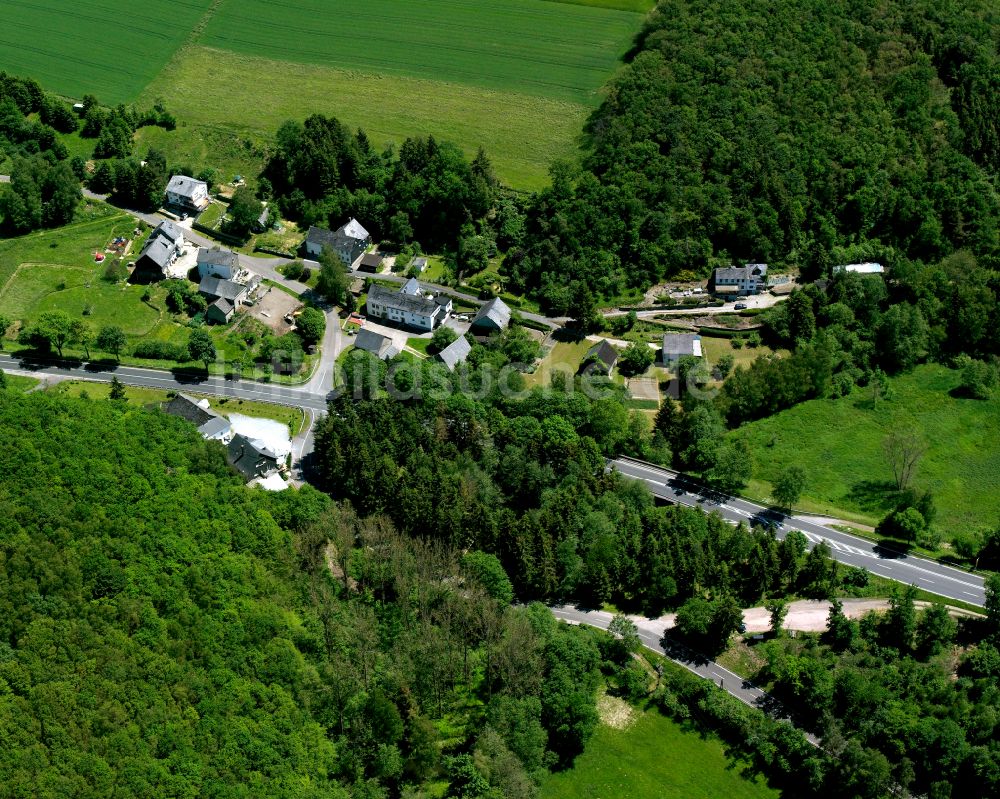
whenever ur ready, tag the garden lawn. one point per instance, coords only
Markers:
(838, 443)
(564, 357)
(109, 48)
(654, 758)
(136, 395)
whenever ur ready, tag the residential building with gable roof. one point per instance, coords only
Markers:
(740, 280)
(493, 316)
(349, 241)
(161, 249)
(679, 345)
(218, 262)
(408, 306)
(187, 193)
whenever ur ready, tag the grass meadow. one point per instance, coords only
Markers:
(553, 50)
(838, 443)
(654, 758)
(109, 48)
(208, 90)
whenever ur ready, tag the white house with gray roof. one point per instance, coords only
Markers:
(161, 249)
(217, 262)
(741, 280)
(187, 193)
(409, 306)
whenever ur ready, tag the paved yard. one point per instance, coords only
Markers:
(646, 388)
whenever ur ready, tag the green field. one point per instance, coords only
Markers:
(517, 77)
(109, 48)
(839, 445)
(652, 759)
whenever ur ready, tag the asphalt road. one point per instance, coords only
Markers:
(652, 638)
(851, 550)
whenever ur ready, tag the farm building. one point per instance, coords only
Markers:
(370, 262)
(218, 262)
(348, 241)
(220, 311)
(455, 353)
(187, 193)
(378, 345)
(494, 316)
(214, 288)
(161, 249)
(408, 306)
(679, 345)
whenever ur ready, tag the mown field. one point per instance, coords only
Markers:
(839, 445)
(109, 48)
(208, 90)
(654, 758)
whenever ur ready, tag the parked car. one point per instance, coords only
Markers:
(740, 306)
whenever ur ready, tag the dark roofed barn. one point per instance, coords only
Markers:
(602, 356)
(493, 316)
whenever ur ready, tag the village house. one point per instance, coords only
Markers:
(492, 317)
(215, 288)
(218, 262)
(455, 353)
(378, 345)
(210, 424)
(601, 357)
(252, 458)
(408, 306)
(680, 345)
(187, 194)
(161, 249)
(348, 242)
(740, 280)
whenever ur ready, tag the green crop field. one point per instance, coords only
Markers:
(109, 48)
(838, 443)
(517, 77)
(653, 759)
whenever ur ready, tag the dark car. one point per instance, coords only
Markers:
(740, 306)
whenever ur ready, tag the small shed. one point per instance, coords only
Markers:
(370, 262)
(221, 311)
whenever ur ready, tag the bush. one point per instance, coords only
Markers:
(160, 350)
(294, 270)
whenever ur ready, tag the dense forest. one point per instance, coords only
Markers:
(800, 132)
(166, 631)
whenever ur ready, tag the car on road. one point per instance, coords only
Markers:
(740, 306)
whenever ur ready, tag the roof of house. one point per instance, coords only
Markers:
(680, 344)
(223, 305)
(603, 352)
(264, 216)
(375, 343)
(218, 255)
(371, 259)
(214, 427)
(187, 407)
(250, 456)
(411, 303)
(862, 269)
(159, 250)
(219, 287)
(741, 272)
(353, 230)
(184, 186)
(320, 236)
(455, 353)
(420, 263)
(496, 311)
(411, 286)
(168, 229)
